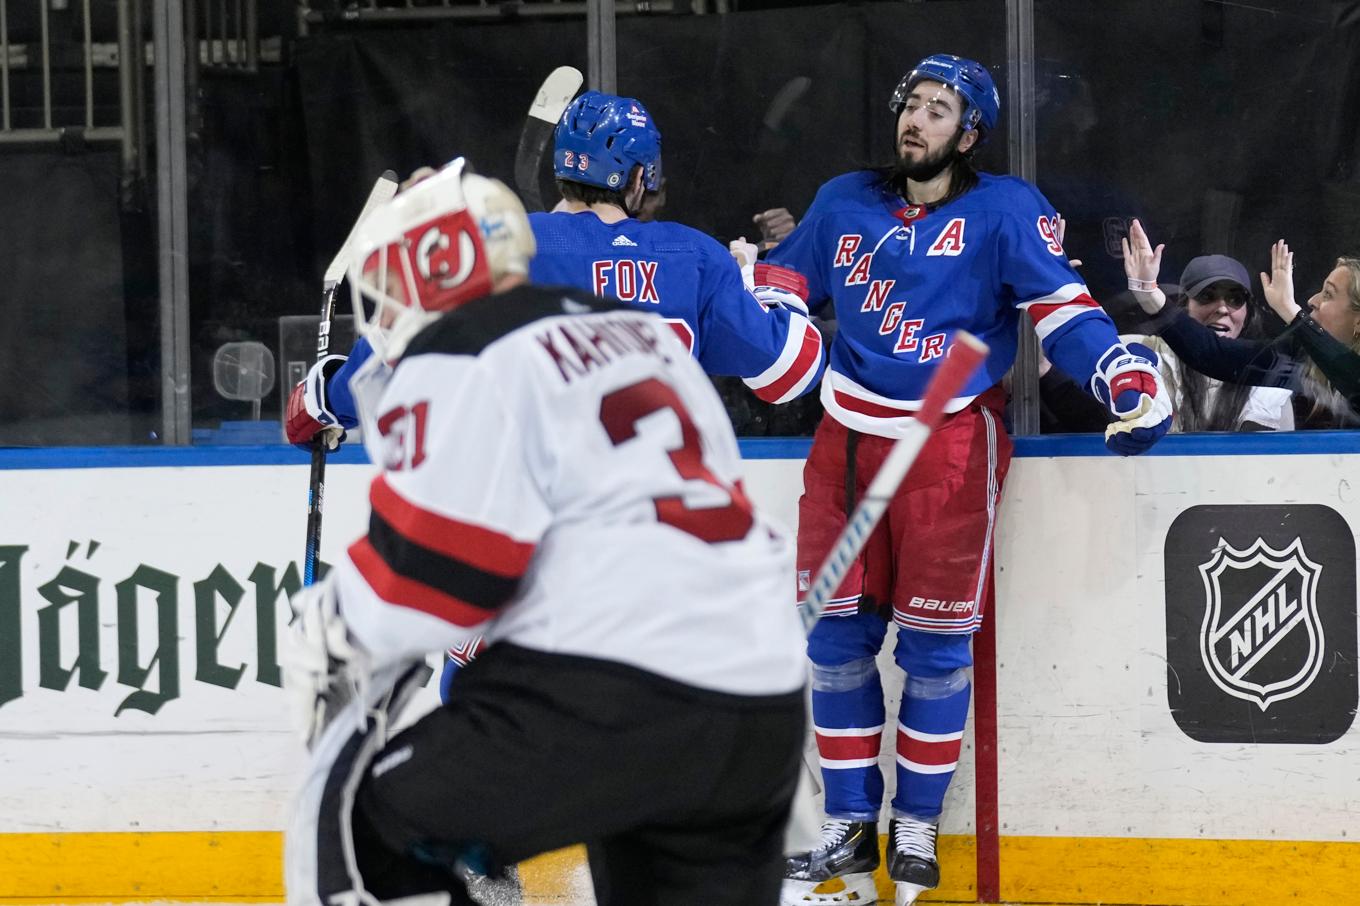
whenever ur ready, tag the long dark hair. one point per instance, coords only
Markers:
(963, 175)
(1194, 410)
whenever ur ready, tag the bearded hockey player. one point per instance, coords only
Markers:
(907, 255)
(559, 475)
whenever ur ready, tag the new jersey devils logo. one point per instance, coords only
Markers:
(1255, 601)
(441, 258)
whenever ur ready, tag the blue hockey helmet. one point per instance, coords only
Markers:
(982, 103)
(601, 137)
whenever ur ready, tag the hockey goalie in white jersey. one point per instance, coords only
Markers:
(559, 475)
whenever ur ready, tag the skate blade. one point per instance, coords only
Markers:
(907, 893)
(503, 891)
(848, 890)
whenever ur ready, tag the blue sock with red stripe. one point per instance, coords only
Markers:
(929, 738)
(849, 726)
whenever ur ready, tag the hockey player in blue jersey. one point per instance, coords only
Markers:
(906, 256)
(607, 157)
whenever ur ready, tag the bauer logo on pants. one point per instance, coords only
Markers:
(1261, 623)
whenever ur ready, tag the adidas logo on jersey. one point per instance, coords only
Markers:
(623, 240)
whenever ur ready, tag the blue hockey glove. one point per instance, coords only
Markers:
(1128, 383)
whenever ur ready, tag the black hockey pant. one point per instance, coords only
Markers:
(681, 794)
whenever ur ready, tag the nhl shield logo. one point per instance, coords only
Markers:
(1255, 601)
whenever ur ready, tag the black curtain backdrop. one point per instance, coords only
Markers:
(1221, 126)
(63, 352)
(402, 98)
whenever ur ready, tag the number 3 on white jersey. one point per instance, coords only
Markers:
(620, 413)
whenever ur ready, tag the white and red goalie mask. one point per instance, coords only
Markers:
(437, 245)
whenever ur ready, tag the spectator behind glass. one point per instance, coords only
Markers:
(1216, 292)
(1327, 331)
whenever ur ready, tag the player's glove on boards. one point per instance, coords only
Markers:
(780, 287)
(1128, 383)
(309, 414)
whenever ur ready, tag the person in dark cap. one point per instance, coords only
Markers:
(1216, 292)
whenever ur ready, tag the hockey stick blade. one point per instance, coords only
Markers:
(382, 190)
(965, 354)
(788, 94)
(774, 143)
(553, 97)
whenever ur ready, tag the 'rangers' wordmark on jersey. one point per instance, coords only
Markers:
(904, 279)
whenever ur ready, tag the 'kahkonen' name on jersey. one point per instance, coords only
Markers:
(579, 345)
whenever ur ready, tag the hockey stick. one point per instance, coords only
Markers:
(553, 97)
(963, 358)
(382, 190)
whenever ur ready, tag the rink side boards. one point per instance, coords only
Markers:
(146, 754)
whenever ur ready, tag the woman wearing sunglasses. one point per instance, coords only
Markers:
(1327, 375)
(1216, 292)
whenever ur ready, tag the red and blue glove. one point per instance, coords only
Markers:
(309, 415)
(1128, 383)
(780, 287)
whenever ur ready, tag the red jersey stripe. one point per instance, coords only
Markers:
(1041, 310)
(803, 364)
(475, 545)
(864, 407)
(397, 589)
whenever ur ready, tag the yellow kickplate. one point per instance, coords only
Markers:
(236, 866)
(246, 867)
(1151, 872)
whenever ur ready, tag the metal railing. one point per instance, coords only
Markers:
(49, 57)
(228, 33)
(15, 57)
(317, 12)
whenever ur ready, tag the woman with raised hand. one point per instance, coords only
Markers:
(1327, 330)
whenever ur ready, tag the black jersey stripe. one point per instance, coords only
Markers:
(448, 575)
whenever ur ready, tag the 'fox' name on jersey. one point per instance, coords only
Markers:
(694, 284)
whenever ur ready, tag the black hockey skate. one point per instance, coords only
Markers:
(912, 864)
(848, 853)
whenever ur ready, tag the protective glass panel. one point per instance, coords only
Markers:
(1221, 127)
